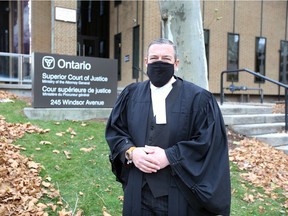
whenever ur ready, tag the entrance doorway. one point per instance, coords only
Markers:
(93, 28)
(87, 46)
(14, 41)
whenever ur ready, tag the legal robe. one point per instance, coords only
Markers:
(197, 148)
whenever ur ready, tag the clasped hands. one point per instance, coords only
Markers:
(149, 159)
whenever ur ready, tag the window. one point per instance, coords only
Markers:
(21, 27)
(283, 73)
(4, 23)
(136, 42)
(116, 3)
(260, 58)
(117, 52)
(233, 56)
(15, 38)
(206, 41)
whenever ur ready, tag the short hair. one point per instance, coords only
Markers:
(163, 41)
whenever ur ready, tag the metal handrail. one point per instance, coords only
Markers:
(260, 76)
(140, 70)
(233, 88)
(20, 79)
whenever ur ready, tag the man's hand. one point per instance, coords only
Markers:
(144, 160)
(158, 154)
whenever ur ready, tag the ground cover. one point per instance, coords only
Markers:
(62, 168)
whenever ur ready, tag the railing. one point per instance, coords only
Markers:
(15, 69)
(233, 88)
(263, 77)
(140, 71)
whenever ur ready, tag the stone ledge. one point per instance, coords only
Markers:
(67, 113)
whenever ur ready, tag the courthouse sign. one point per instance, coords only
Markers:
(73, 81)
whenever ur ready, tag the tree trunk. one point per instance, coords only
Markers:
(182, 24)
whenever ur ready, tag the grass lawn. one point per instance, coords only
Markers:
(74, 154)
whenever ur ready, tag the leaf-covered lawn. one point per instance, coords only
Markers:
(62, 168)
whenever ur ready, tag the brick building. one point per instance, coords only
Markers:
(238, 34)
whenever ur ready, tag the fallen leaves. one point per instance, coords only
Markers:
(7, 95)
(12, 131)
(21, 186)
(263, 166)
(248, 197)
(279, 108)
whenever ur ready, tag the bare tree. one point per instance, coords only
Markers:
(182, 23)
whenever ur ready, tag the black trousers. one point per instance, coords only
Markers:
(152, 206)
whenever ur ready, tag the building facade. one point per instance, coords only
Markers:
(238, 34)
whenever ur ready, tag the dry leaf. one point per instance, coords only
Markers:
(48, 178)
(60, 134)
(45, 143)
(121, 198)
(46, 184)
(71, 131)
(57, 167)
(83, 124)
(104, 211)
(79, 212)
(63, 212)
(56, 151)
(89, 138)
(67, 154)
(32, 164)
(88, 149)
(248, 197)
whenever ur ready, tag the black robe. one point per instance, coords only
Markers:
(197, 152)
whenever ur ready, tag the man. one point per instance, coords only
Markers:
(168, 143)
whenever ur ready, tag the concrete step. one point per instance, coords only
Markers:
(242, 109)
(274, 139)
(257, 120)
(258, 129)
(253, 118)
(283, 148)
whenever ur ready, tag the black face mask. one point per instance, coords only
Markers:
(160, 73)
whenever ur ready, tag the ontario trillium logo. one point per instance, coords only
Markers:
(48, 62)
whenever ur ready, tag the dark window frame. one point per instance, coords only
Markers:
(207, 46)
(260, 68)
(233, 77)
(116, 3)
(117, 53)
(282, 66)
(136, 51)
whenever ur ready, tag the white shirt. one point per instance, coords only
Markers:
(158, 96)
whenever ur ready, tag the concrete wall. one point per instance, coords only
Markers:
(65, 33)
(50, 35)
(248, 25)
(122, 20)
(41, 26)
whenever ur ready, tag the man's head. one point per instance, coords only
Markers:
(161, 61)
(162, 49)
